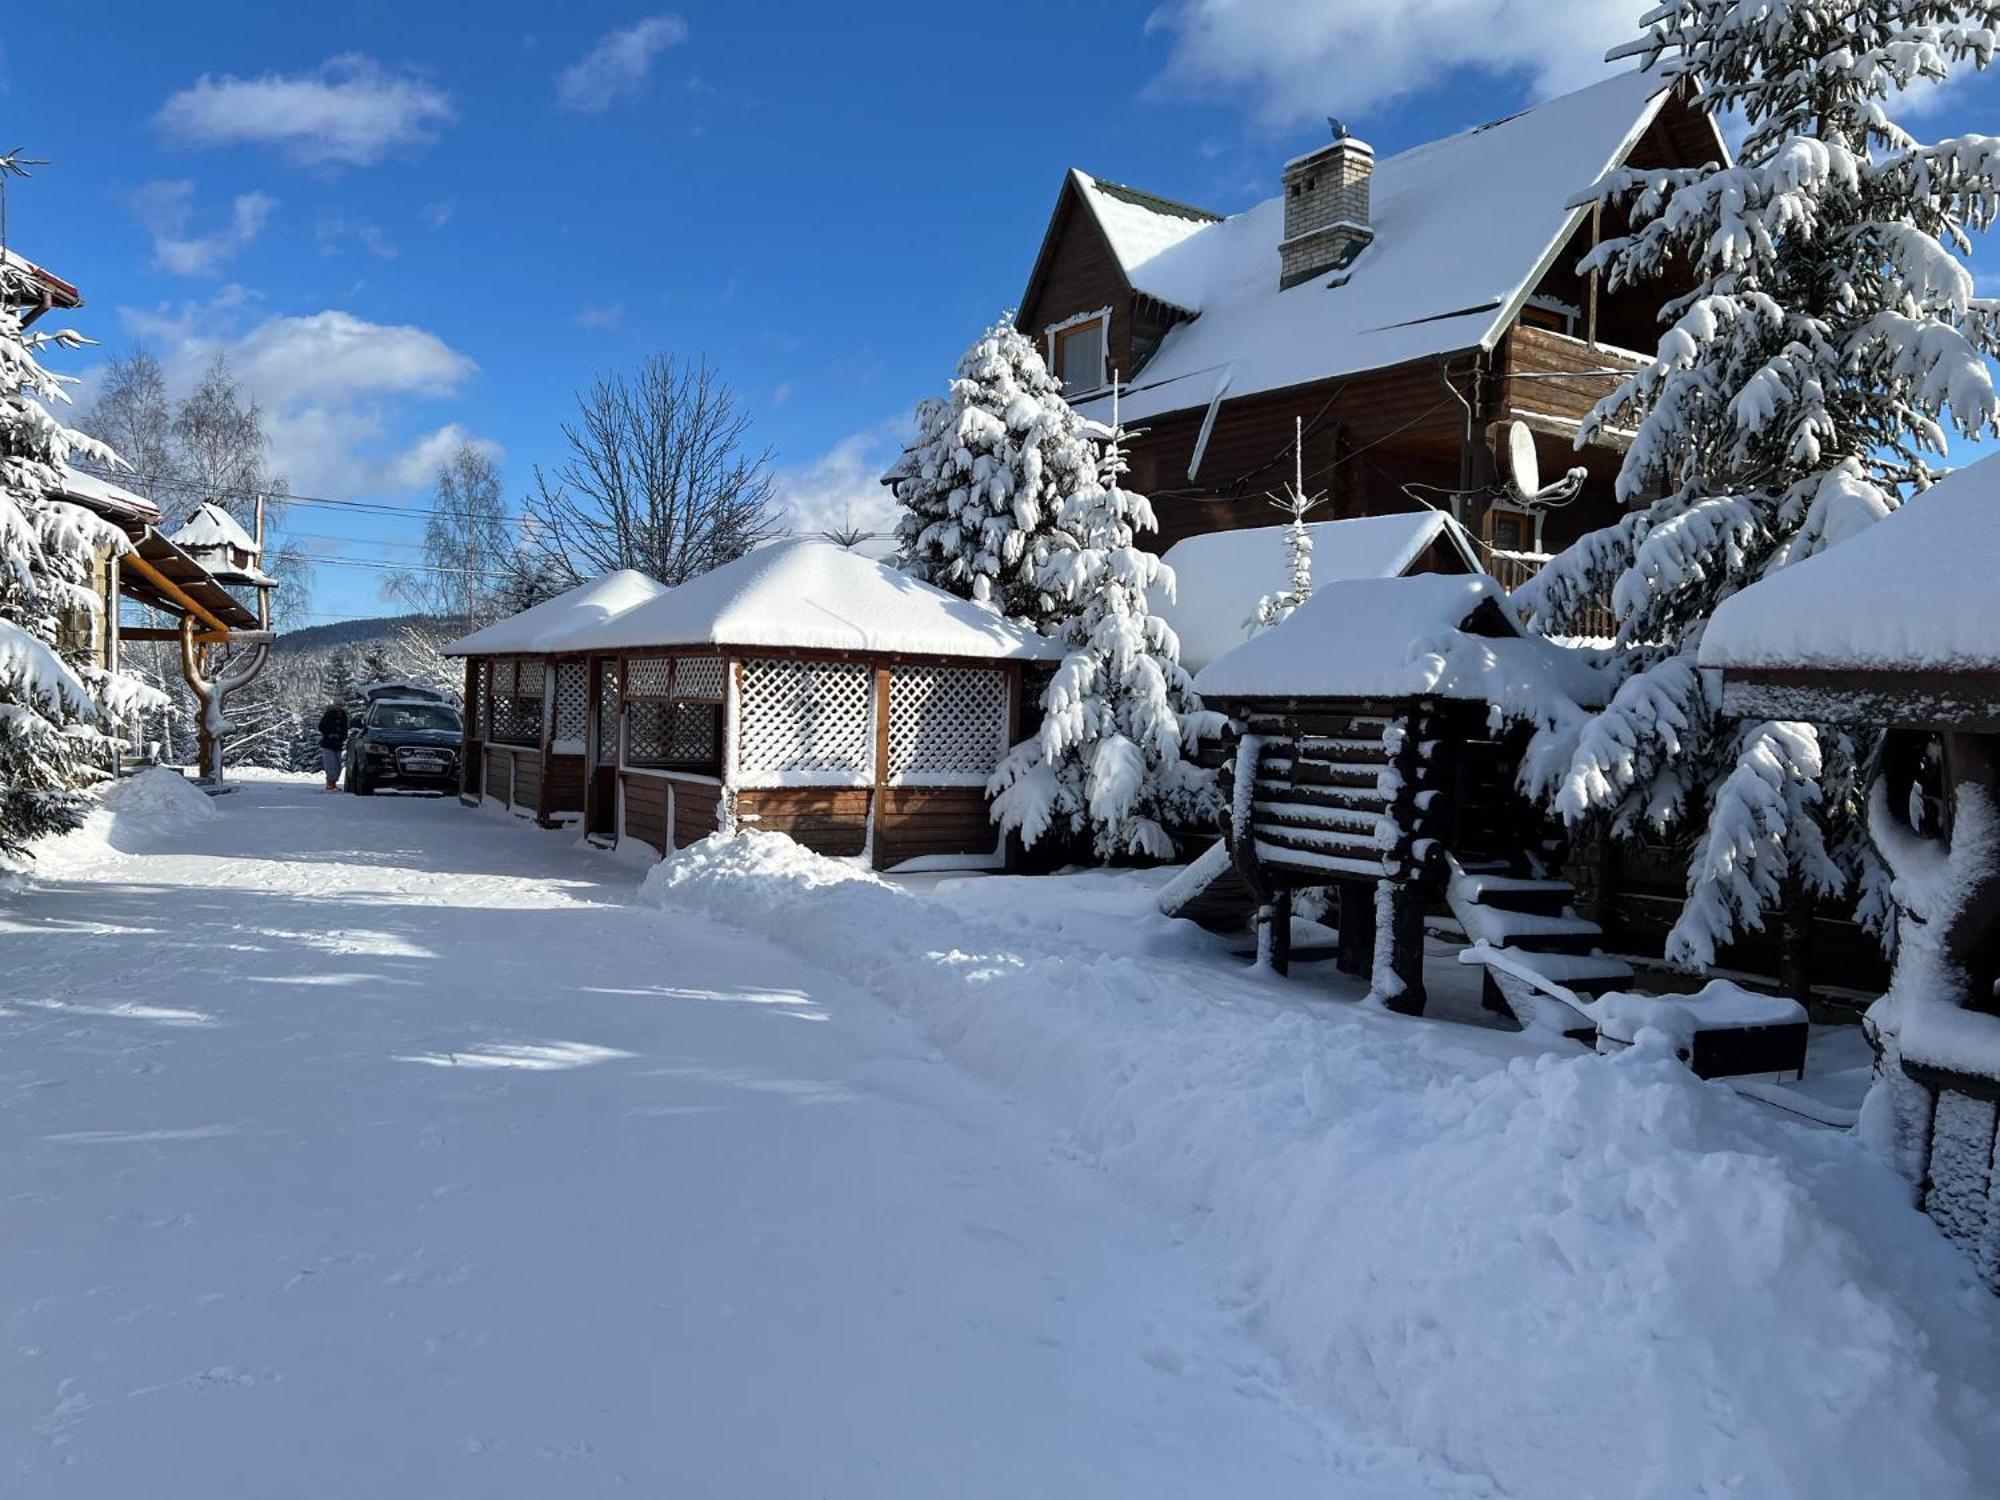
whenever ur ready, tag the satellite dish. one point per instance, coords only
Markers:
(1523, 467)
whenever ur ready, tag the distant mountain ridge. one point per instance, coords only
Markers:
(337, 633)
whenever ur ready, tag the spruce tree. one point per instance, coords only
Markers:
(1801, 391)
(983, 484)
(1113, 758)
(54, 705)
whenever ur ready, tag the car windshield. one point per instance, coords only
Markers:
(414, 716)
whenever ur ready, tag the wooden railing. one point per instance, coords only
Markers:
(1512, 569)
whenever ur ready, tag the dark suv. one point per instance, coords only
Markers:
(405, 743)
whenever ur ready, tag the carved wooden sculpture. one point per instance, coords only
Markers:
(210, 692)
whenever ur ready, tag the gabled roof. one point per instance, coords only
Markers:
(112, 501)
(1464, 229)
(1435, 635)
(548, 626)
(816, 595)
(1140, 226)
(60, 293)
(1915, 592)
(212, 526)
(1220, 575)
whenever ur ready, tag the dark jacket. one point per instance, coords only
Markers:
(333, 729)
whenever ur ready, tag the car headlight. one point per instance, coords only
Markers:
(377, 752)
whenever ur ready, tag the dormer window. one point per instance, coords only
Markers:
(1077, 352)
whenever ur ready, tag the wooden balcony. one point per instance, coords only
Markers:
(1551, 381)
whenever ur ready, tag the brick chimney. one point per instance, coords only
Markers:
(1326, 207)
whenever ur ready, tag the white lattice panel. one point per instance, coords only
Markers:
(503, 678)
(607, 713)
(804, 722)
(572, 700)
(698, 679)
(532, 671)
(946, 724)
(673, 734)
(517, 721)
(648, 677)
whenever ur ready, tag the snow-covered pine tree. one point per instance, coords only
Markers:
(53, 703)
(1297, 504)
(1114, 754)
(1800, 391)
(982, 486)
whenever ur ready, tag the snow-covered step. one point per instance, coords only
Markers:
(1506, 929)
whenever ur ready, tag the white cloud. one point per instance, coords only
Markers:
(349, 110)
(335, 388)
(1299, 62)
(415, 468)
(601, 317)
(165, 208)
(843, 487)
(617, 66)
(438, 214)
(335, 233)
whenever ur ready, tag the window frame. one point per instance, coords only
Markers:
(1058, 334)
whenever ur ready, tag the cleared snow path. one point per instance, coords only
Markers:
(373, 1146)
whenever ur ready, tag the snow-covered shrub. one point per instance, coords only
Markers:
(982, 487)
(1799, 392)
(1121, 720)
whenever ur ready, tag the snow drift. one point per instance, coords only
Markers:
(1547, 1269)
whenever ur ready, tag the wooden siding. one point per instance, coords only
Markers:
(831, 820)
(697, 811)
(565, 776)
(1081, 276)
(645, 809)
(514, 776)
(913, 822)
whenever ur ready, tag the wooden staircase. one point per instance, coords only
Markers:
(1531, 924)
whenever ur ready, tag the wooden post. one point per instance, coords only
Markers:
(470, 751)
(880, 789)
(545, 785)
(1357, 928)
(1274, 933)
(1591, 280)
(1406, 948)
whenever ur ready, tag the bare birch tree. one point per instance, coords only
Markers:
(468, 542)
(659, 478)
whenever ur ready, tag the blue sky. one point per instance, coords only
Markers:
(410, 224)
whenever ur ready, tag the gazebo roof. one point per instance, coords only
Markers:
(809, 594)
(1898, 624)
(1435, 635)
(547, 627)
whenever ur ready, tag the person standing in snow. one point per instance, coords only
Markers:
(332, 740)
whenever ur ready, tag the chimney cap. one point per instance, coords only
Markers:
(1341, 144)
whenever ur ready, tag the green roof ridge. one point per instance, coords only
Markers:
(1153, 202)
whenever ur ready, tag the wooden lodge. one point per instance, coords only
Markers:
(1899, 628)
(1381, 727)
(802, 689)
(1404, 312)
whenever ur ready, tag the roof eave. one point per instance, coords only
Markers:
(1511, 305)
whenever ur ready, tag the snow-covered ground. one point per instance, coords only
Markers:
(378, 1146)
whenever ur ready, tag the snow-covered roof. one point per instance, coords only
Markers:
(106, 498)
(61, 293)
(812, 594)
(1402, 638)
(212, 526)
(1463, 228)
(1140, 226)
(548, 626)
(1220, 575)
(1916, 592)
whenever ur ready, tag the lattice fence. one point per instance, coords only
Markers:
(607, 713)
(517, 721)
(672, 734)
(947, 725)
(572, 700)
(801, 722)
(503, 678)
(532, 671)
(648, 677)
(698, 679)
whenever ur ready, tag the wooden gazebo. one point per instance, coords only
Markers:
(527, 701)
(1899, 628)
(802, 689)
(1381, 727)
